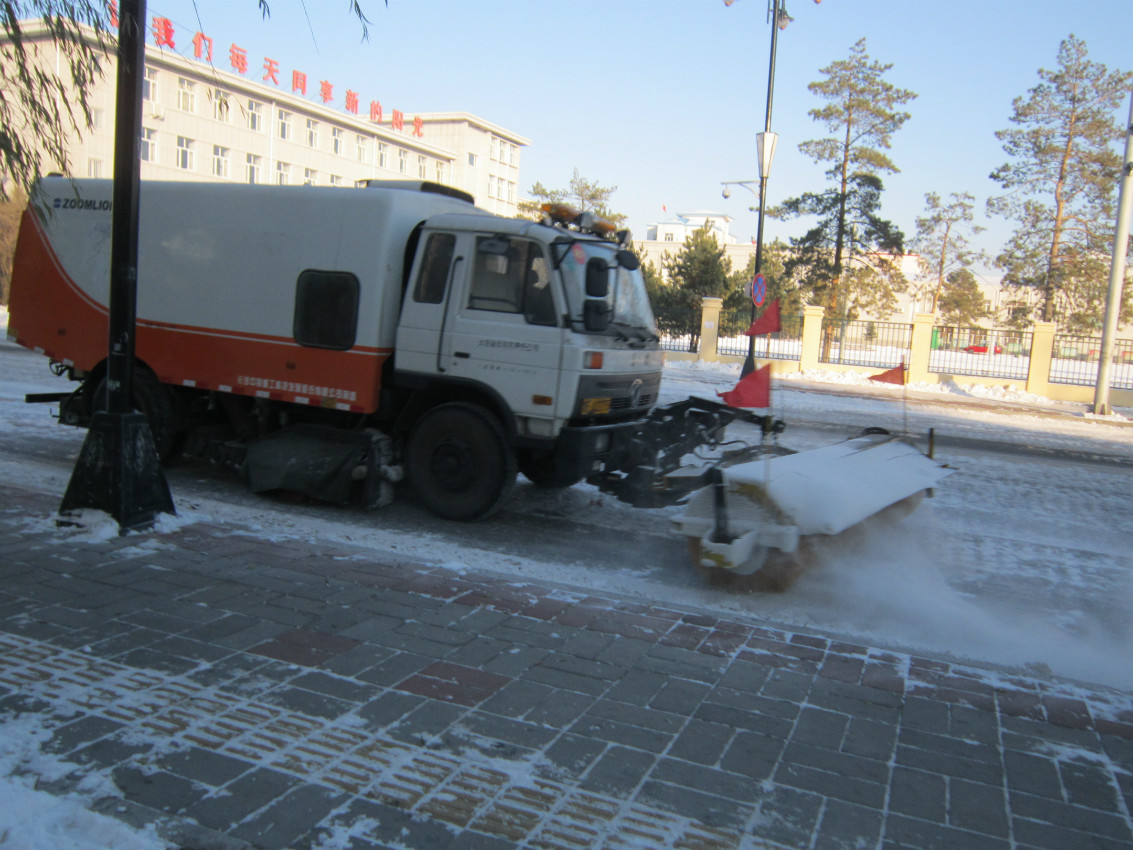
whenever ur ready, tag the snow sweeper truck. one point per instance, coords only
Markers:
(335, 341)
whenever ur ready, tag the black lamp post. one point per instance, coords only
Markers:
(118, 470)
(765, 141)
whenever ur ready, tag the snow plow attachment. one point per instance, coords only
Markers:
(754, 514)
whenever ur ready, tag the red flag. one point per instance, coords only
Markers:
(768, 323)
(896, 375)
(752, 391)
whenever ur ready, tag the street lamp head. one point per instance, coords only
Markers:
(727, 193)
(783, 19)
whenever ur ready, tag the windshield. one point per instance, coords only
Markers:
(627, 297)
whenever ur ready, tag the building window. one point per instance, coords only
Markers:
(220, 105)
(220, 162)
(284, 124)
(495, 149)
(422, 168)
(403, 161)
(360, 148)
(669, 237)
(383, 155)
(149, 85)
(186, 95)
(185, 153)
(96, 119)
(254, 168)
(335, 180)
(440, 172)
(282, 173)
(491, 187)
(310, 177)
(472, 159)
(94, 168)
(148, 149)
(336, 138)
(255, 116)
(514, 155)
(312, 133)
(511, 193)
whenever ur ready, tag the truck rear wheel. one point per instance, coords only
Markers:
(460, 463)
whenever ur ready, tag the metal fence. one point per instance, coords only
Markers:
(1075, 360)
(680, 342)
(785, 344)
(959, 350)
(861, 343)
(671, 317)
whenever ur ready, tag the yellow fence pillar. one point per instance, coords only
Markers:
(812, 338)
(1042, 352)
(709, 328)
(920, 348)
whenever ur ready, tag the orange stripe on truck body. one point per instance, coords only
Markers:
(49, 312)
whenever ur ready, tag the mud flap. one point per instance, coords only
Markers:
(321, 462)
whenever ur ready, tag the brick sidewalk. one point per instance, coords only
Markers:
(241, 692)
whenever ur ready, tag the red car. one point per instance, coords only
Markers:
(981, 348)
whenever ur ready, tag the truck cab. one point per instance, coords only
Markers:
(547, 324)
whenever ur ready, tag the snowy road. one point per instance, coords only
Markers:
(1021, 559)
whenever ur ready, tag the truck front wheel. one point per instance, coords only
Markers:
(460, 464)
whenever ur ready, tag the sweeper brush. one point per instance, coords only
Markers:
(753, 519)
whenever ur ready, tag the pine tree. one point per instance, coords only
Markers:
(942, 239)
(699, 270)
(581, 193)
(862, 113)
(1060, 183)
(961, 302)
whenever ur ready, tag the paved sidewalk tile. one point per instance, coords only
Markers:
(240, 693)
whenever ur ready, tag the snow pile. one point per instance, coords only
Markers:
(31, 819)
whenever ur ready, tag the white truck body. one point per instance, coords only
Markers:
(313, 305)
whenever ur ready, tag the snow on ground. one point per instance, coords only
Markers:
(32, 819)
(925, 584)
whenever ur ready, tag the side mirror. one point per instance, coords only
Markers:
(597, 278)
(628, 260)
(596, 315)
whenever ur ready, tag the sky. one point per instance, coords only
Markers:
(663, 98)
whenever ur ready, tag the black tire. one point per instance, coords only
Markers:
(539, 469)
(460, 463)
(153, 399)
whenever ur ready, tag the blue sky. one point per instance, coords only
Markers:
(663, 98)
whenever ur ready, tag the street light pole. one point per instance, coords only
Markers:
(766, 144)
(1116, 272)
(118, 470)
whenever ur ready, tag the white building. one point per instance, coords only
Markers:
(214, 112)
(668, 238)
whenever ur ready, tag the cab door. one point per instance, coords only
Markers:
(436, 283)
(506, 330)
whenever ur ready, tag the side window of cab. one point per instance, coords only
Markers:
(512, 276)
(435, 264)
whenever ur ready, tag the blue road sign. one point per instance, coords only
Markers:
(758, 289)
